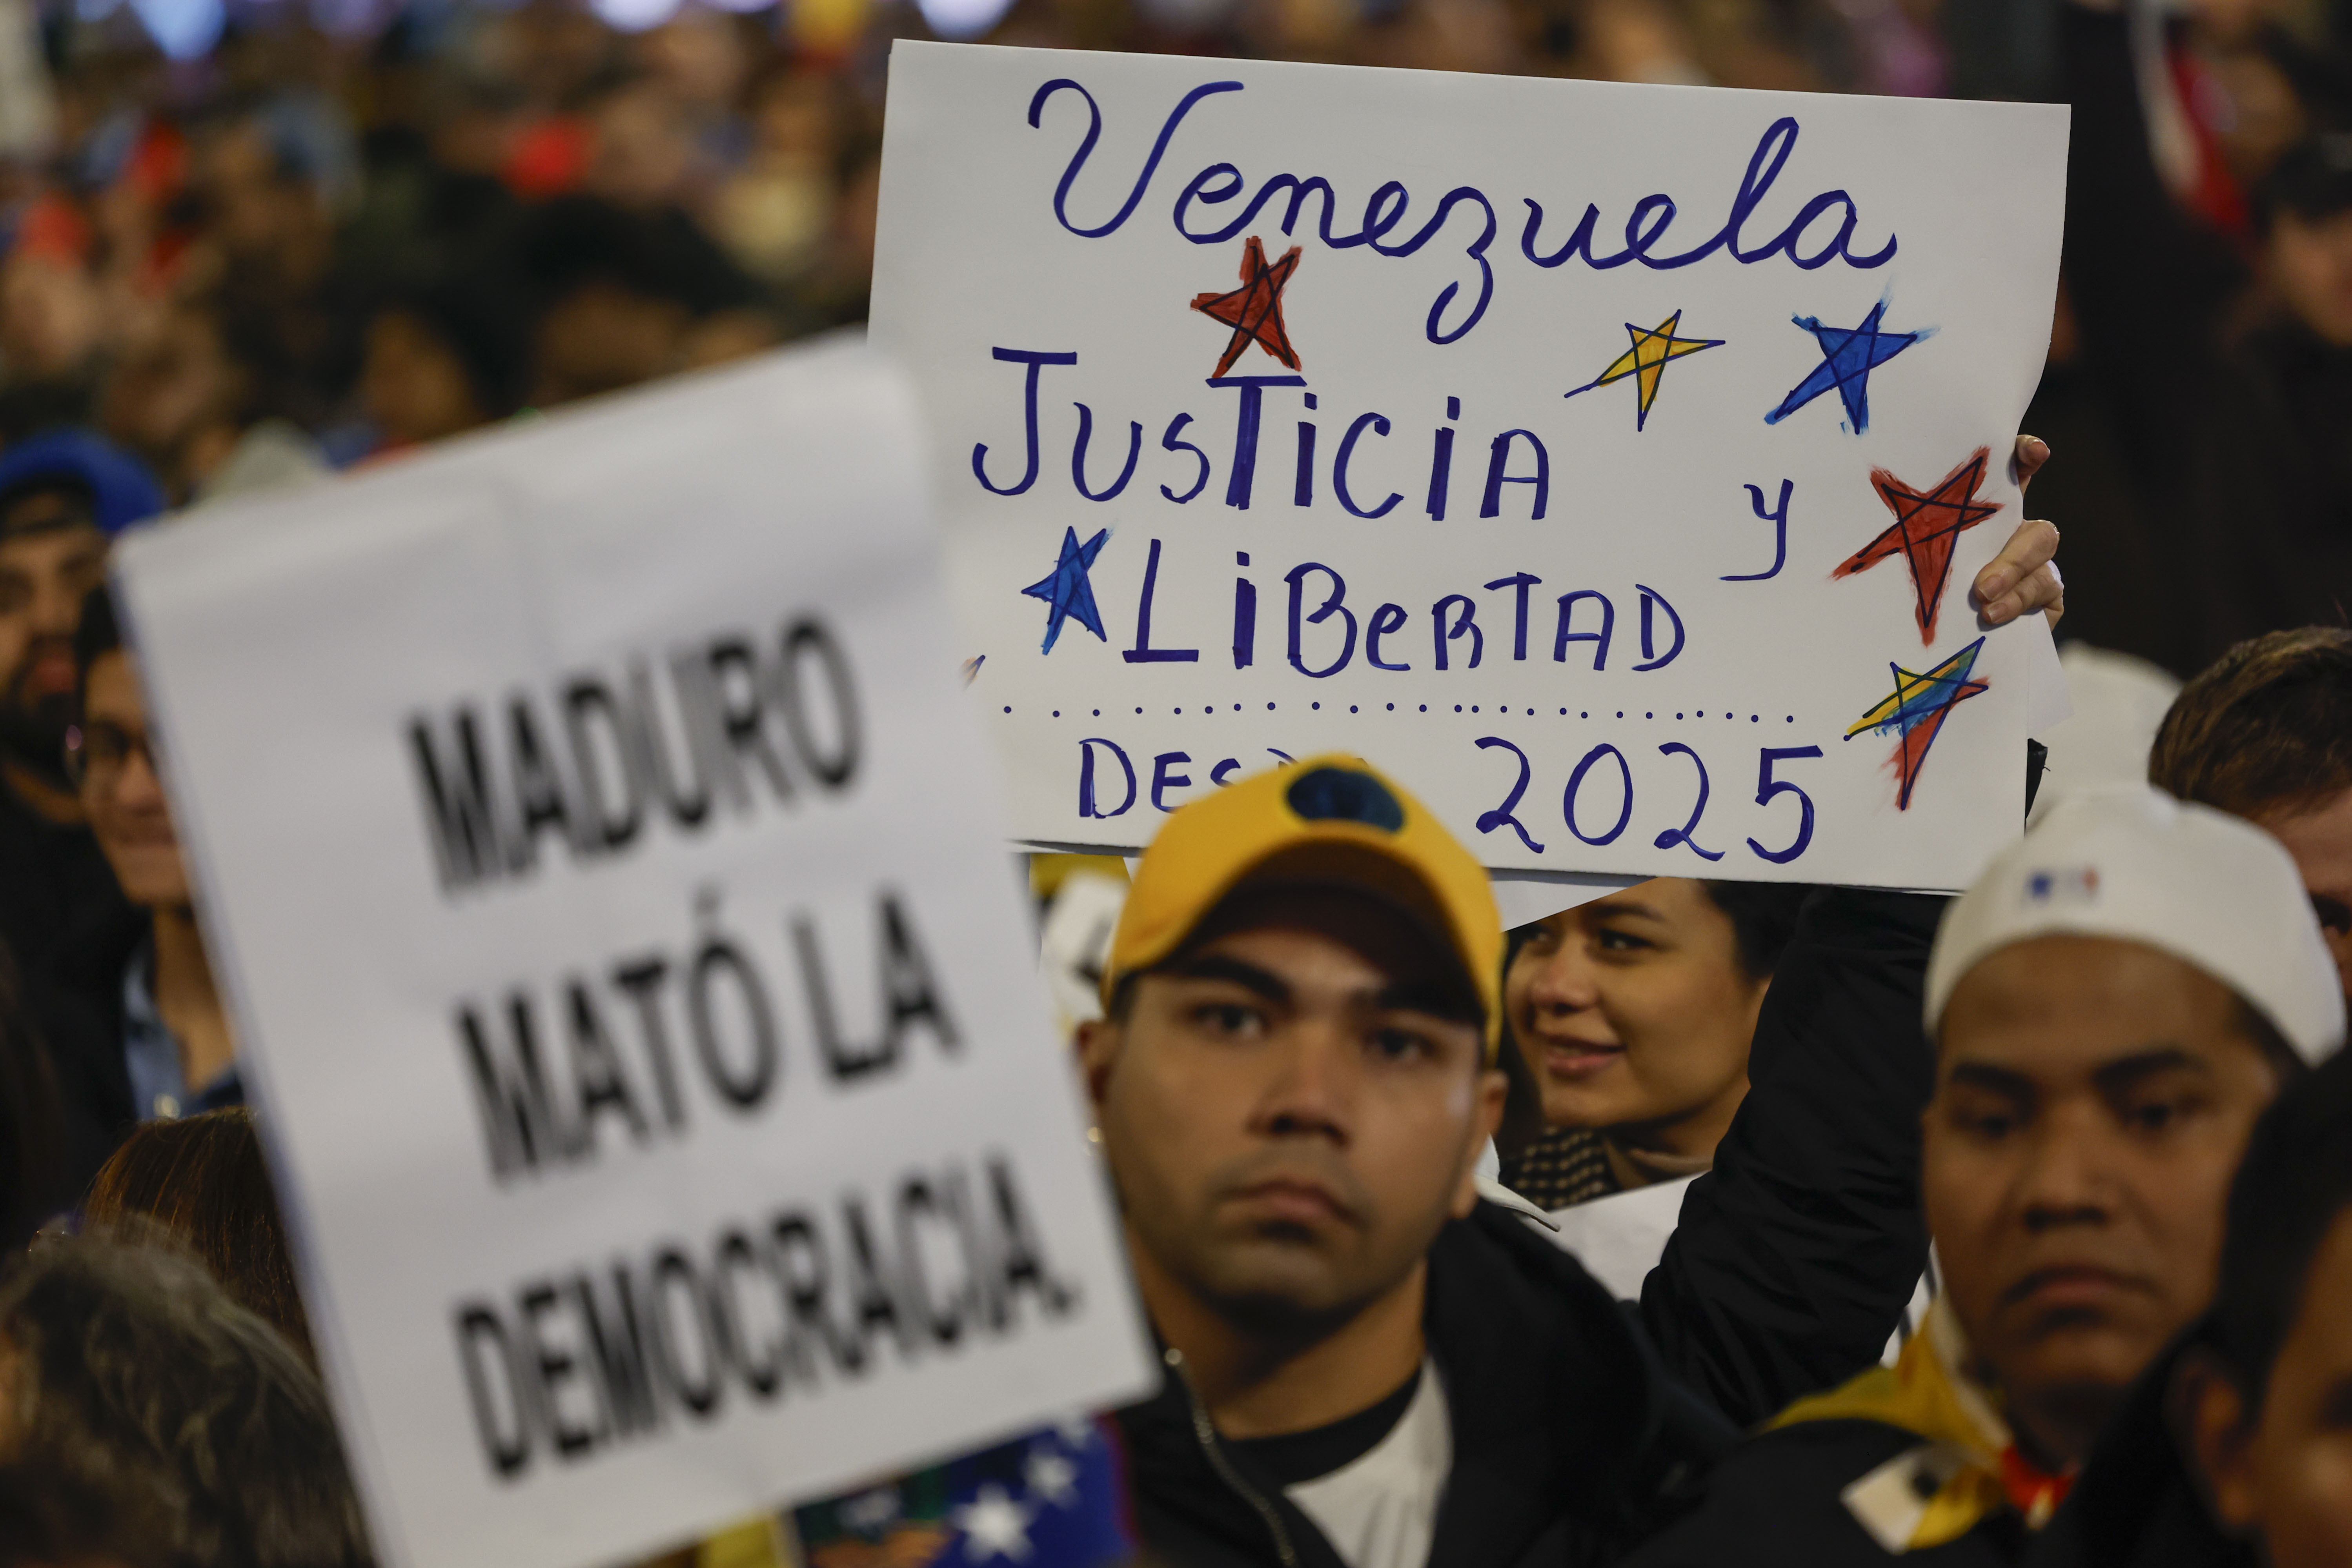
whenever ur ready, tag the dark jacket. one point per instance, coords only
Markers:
(1795, 1256)
(1775, 1502)
(1569, 1441)
(87, 1033)
(2136, 1506)
(54, 885)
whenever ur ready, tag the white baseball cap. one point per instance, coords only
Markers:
(2132, 862)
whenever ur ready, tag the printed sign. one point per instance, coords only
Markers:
(1611, 462)
(609, 884)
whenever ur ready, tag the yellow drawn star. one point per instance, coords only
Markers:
(1647, 361)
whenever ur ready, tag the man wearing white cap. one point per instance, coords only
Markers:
(2114, 1003)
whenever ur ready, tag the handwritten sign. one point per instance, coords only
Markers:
(605, 875)
(1609, 461)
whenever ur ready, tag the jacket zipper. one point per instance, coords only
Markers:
(1205, 1431)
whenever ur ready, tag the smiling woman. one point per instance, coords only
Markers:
(1631, 1016)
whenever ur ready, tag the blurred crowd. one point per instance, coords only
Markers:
(299, 251)
(252, 241)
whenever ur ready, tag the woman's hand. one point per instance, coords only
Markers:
(2023, 576)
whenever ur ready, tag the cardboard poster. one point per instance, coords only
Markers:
(1611, 462)
(607, 880)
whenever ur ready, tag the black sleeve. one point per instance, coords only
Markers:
(1777, 1503)
(1794, 1258)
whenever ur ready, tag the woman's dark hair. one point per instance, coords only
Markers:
(1763, 918)
(136, 1378)
(2295, 1182)
(203, 1180)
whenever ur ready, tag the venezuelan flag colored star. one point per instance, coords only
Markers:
(1918, 708)
(1646, 362)
(1255, 310)
(1927, 523)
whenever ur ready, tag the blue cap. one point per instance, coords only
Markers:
(121, 491)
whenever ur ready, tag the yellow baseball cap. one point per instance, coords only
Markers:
(1332, 819)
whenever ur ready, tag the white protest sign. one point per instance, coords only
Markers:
(611, 890)
(1609, 463)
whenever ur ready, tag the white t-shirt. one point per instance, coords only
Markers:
(1379, 1510)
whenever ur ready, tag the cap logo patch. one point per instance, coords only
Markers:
(2071, 885)
(1337, 794)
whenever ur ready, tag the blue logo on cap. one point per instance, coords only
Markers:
(1337, 794)
(2073, 884)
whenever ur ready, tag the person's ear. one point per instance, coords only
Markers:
(1486, 1114)
(1097, 1044)
(2210, 1421)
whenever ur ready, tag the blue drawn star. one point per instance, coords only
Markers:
(1848, 356)
(1067, 591)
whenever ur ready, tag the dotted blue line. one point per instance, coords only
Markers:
(1458, 708)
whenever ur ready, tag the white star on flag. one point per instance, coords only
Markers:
(870, 1511)
(1051, 1477)
(993, 1525)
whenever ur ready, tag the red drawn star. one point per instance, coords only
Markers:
(1255, 310)
(1927, 523)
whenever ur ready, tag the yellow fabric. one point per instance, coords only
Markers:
(1047, 872)
(1920, 1394)
(754, 1543)
(1208, 848)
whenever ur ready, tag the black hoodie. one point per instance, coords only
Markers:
(1570, 1443)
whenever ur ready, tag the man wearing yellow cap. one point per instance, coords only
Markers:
(1366, 1364)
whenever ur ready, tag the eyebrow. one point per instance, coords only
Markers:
(1610, 906)
(1995, 1079)
(1421, 996)
(1436, 997)
(2117, 1076)
(2113, 1078)
(1249, 976)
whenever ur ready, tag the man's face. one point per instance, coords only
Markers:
(50, 556)
(1291, 1112)
(2310, 264)
(2093, 1098)
(2320, 840)
(2287, 1476)
(120, 791)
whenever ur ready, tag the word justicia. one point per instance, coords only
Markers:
(1821, 231)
